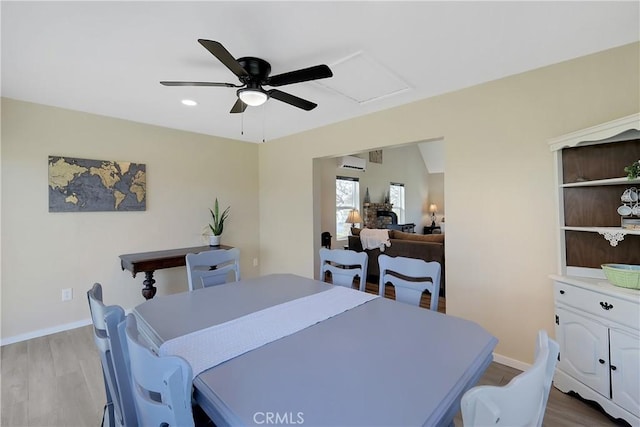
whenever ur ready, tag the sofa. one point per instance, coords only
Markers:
(428, 247)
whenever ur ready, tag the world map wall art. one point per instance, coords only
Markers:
(82, 185)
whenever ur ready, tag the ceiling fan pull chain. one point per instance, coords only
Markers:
(264, 115)
(242, 124)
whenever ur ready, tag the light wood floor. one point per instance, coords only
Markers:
(57, 381)
(54, 380)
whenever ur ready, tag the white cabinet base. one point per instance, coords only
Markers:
(565, 384)
(597, 330)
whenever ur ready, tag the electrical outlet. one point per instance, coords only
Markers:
(67, 294)
(255, 262)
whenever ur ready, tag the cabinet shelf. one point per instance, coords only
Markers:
(612, 234)
(601, 230)
(610, 181)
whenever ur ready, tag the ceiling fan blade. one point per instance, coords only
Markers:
(224, 56)
(238, 107)
(291, 99)
(166, 83)
(303, 75)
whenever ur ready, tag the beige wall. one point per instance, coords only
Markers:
(44, 252)
(501, 239)
(499, 189)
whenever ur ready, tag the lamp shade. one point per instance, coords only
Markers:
(433, 208)
(354, 217)
(253, 97)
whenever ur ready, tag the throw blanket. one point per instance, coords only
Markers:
(372, 238)
(212, 346)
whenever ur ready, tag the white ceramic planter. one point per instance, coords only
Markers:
(214, 240)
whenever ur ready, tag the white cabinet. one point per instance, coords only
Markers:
(625, 370)
(598, 329)
(597, 324)
(584, 346)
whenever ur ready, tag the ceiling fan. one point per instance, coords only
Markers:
(253, 73)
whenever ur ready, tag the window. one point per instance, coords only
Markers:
(396, 198)
(347, 198)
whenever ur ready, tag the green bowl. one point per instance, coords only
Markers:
(623, 275)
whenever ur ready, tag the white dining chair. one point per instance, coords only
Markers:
(344, 265)
(523, 401)
(410, 277)
(161, 386)
(210, 268)
(119, 410)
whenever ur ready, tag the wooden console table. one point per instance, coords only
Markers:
(148, 262)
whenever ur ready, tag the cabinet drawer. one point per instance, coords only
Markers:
(605, 306)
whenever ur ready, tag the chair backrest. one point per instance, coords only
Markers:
(410, 277)
(211, 268)
(161, 386)
(112, 355)
(543, 342)
(522, 402)
(119, 355)
(344, 266)
(97, 308)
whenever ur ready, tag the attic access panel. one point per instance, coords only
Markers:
(362, 79)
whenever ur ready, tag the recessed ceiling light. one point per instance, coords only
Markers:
(189, 102)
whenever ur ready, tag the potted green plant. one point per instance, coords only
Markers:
(217, 223)
(633, 171)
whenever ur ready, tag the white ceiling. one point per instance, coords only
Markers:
(108, 57)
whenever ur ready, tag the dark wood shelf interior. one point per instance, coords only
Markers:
(596, 205)
(591, 250)
(592, 206)
(603, 161)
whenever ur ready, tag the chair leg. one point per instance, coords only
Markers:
(108, 411)
(108, 416)
(200, 418)
(433, 306)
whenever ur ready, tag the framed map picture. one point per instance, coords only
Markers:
(83, 185)
(375, 156)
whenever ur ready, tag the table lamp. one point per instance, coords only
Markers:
(433, 208)
(353, 218)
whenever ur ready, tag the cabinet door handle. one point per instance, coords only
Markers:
(613, 368)
(606, 305)
(601, 361)
(561, 292)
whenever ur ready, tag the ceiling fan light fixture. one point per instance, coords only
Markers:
(253, 97)
(253, 73)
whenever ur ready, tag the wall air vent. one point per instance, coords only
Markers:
(352, 162)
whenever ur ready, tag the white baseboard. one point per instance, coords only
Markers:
(49, 331)
(46, 331)
(512, 363)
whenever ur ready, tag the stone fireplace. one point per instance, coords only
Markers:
(380, 215)
(371, 218)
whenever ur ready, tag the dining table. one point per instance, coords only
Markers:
(319, 357)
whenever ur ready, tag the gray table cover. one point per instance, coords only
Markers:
(380, 364)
